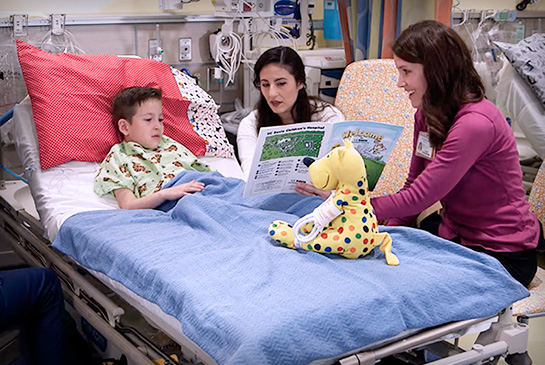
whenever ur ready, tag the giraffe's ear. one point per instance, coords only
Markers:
(342, 152)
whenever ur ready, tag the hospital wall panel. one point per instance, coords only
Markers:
(119, 39)
(496, 4)
(103, 7)
(134, 40)
(126, 39)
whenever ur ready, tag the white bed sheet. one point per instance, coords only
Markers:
(67, 189)
(517, 101)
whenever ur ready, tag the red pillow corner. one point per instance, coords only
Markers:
(71, 97)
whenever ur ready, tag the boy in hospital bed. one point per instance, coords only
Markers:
(136, 169)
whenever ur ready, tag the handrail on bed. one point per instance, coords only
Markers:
(370, 357)
(496, 346)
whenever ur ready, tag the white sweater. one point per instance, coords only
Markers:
(247, 133)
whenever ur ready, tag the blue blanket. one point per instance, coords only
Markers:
(208, 261)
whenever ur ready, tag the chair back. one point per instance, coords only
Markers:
(537, 195)
(368, 91)
(534, 305)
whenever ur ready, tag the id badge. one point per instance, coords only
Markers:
(424, 148)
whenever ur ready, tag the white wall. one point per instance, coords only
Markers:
(87, 7)
(497, 5)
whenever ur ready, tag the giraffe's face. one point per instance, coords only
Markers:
(343, 163)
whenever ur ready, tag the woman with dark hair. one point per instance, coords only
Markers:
(464, 155)
(279, 74)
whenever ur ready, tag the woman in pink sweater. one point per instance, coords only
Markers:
(464, 155)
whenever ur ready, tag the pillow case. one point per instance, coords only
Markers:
(528, 58)
(203, 115)
(71, 98)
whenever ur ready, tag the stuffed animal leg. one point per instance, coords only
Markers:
(282, 233)
(386, 247)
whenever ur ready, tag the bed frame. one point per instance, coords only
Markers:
(117, 330)
(97, 310)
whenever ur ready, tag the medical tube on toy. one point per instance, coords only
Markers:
(322, 215)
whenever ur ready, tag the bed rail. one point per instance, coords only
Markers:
(125, 346)
(503, 338)
(22, 231)
(36, 253)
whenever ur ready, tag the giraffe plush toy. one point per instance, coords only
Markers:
(345, 223)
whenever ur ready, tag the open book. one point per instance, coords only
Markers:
(278, 166)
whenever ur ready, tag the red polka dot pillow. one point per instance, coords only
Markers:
(71, 98)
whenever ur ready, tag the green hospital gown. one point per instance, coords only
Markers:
(144, 171)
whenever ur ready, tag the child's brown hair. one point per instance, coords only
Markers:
(127, 100)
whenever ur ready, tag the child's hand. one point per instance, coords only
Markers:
(181, 190)
(311, 190)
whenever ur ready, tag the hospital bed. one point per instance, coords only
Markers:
(517, 101)
(217, 290)
(520, 104)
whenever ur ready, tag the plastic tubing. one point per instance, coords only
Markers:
(4, 118)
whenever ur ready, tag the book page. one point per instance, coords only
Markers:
(374, 141)
(278, 166)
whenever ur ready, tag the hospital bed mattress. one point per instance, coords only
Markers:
(241, 298)
(367, 302)
(517, 101)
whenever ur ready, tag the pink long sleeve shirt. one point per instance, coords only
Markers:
(477, 177)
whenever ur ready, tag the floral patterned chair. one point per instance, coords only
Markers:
(534, 305)
(368, 91)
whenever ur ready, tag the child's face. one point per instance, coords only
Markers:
(146, 126)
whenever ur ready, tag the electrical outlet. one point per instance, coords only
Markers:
(185, 49)
(154, 49)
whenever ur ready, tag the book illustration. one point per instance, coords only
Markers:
(278, 166)
(373, 140)
(306, 143)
